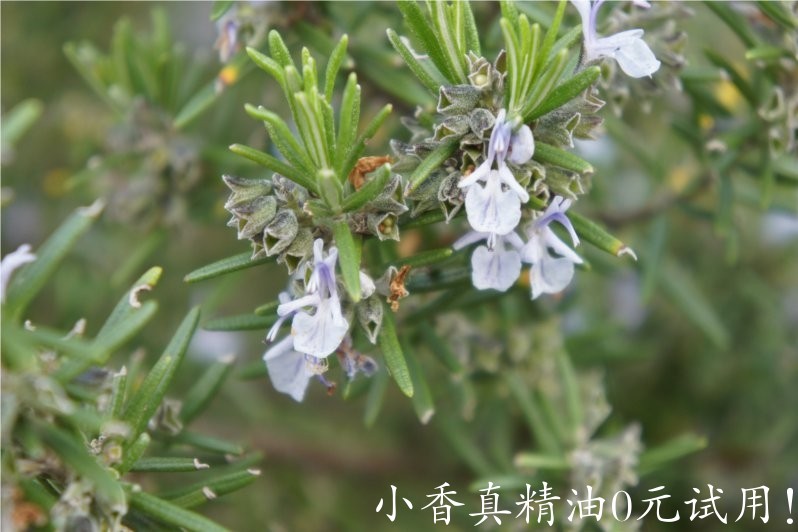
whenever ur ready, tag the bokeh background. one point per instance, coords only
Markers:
(702, 343)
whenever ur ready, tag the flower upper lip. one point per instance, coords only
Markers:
(627, 47)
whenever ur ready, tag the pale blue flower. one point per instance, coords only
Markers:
(289, 371)
(10, 263)
(320, 333)
(627, 47)
(550, 274)
(497, 264)
(496, 206)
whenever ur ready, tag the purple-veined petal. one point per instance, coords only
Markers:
(491, 210)
(320, 334)
(497, 269)
(550, 275)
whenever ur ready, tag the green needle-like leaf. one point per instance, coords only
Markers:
(171, 514)
(134, 452)
(204, 390)
(369, 190)
(225, 266)
(419, 70)
(564, 93)
(167, 464)
(333, 65)
(433, 161)
(693, 305)
(348, 257)
(31, 278)
(593, 233)
(394, 357)
(151, 392)
(425, 258)
(19, 119)
(201, 492)
(275, 165)
(239, 322)
(653, 459)
(422, 397)
(548, 154)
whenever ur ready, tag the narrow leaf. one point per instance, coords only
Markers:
(275, 165)
(225, 266)
(333, 65)
(171, 514)
(239, 322)
(167, 464)
(656, 458)
(564, 93)
(422, 397)
(369, 190)
(204, 390)
(425, 258)
(149, 396)
(593, 233)
(199, 493)
(31, 278)
(693, 305)
(419, 70)
(548, 154)
(433, 161)
(394, 357)
(348, 257)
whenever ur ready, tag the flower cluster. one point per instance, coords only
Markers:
(318, 327)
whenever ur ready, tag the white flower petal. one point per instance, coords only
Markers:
(550, 275)
(508, 179)
(637, 60)
(533, 249)
(583, 6)
(491, 210)
(607, 46)
(522, 146)
(497, 269)
(481, 173)
(279, 349)
(560, 247)
(320, 334)
(469, 238)
(290, 374)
